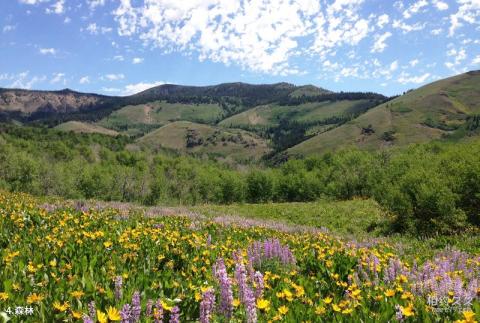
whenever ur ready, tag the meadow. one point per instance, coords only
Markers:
(68, 261)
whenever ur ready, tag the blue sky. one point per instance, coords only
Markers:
(119, 47)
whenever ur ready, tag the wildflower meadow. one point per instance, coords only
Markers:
(65, 264)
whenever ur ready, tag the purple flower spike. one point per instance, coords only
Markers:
(207, 306)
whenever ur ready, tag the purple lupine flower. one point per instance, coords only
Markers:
(250, 305)
(175, 315)
(207, 305)
(118, 288)
(126, 313)
(259, 285)
(226, 294)
(136, 310)
(241, 278)
(149, 308)
(158, 312)
(398, 313)
(92, 310)
(269, 249)
(87, 319)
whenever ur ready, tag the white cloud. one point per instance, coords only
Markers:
(113, 77)
(58, 78)
(48, 51)
(23, 81)
(67, 20)
(468, 12)
(394, 66)
(139, 87)
(119, 58)
(137, 60)
(436, 31)
(111, 89)
(440, 5)
(95, 3)
(8, 28)
(261, 36)
(404, 78)
(383, 20)
(56, 8)
(94, 29)
(414, 8)
(84, 80)
(406, 28)
(476, 60)
(32, 2)
(379, 45)
(413, 62)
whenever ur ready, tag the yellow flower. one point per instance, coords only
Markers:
(166, 307)
(469, 317)
(76, 315)
(113, 314)
(263, 304)
(347, 311)
(319, 310)
(107, 244)
(101, 317)
(236, 302)
(60, 307)
(407, 295)
(408, 311)
(283, 310)
(53, 263)
(390, 292)
(34, 298)
(77, 294)
(336, 308)
(327, 300)
(3, 296)
(198, 297)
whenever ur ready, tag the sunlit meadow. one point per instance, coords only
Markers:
(63, 263)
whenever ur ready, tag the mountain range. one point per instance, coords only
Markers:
(248, 121)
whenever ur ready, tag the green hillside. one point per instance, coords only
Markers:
(271, 115)
(431, 112)
(134, 119)
(84, 127)
(197, 138)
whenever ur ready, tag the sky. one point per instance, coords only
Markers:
(120, 47)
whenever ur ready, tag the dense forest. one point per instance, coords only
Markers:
(431, 188)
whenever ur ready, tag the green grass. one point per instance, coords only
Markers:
(361, 220)
(270, 115)
(422, 115)
(216, 141)
(133, 118)
(83, 127)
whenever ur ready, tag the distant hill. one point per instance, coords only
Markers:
(84, 127)
(433, 111)
(27, 105)
(189, 137)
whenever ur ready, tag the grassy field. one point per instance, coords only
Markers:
(418, 116)
(132, 119)
(83, 127)
(205, 139)
(153, 266)
(270, 115)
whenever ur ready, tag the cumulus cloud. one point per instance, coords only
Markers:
(137, 60)
(383, 20)
(47, 51)
(476, 60)
(468, 12)
(95, 3)
(56, 8)
(258, 35)
(139, 87)
(440, 5)
(58, 78)
(380, 45)
(113, 77)
(119, 58)
(414, 8)
(24, 81)
(84, 80)
(8, 28)
(94, 29)
(406, 28)
(405, 78)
